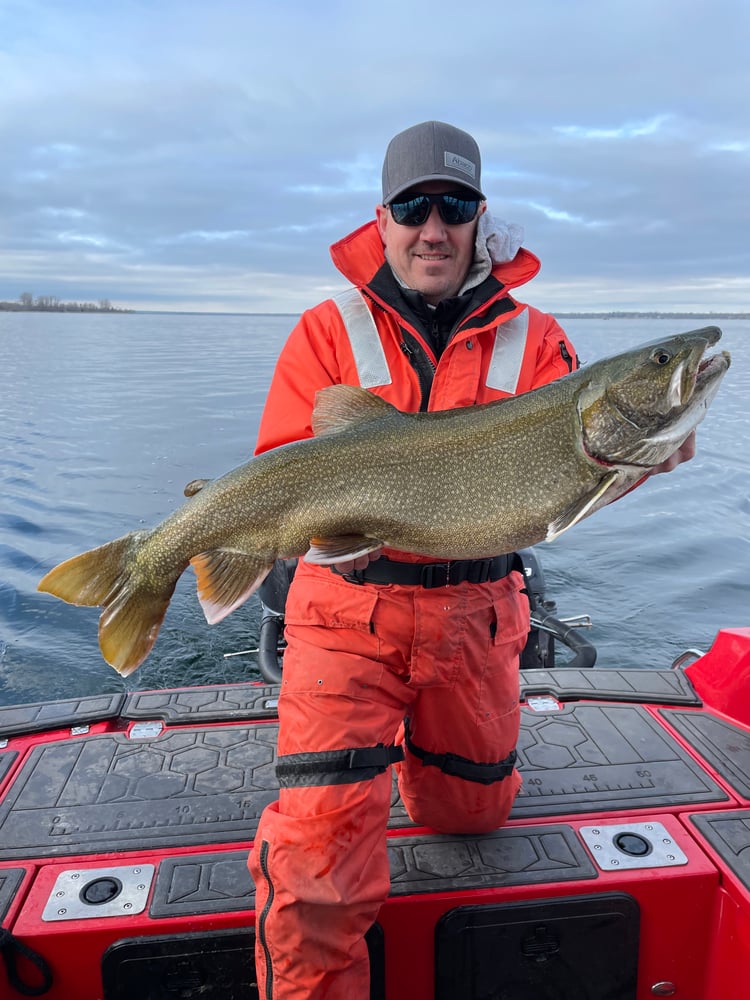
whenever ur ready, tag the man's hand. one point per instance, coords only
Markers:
(361, 562)
(683, 454)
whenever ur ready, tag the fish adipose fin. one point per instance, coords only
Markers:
(339, 407)
(226, 578)
(581, 508)
(326, 551)
(195, 486)
(106, 577)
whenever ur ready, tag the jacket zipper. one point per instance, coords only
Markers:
(565, 355)
(261, 928)
(425, 370)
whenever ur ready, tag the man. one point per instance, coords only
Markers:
(392, 658)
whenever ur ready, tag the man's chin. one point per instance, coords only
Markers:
(433, 281)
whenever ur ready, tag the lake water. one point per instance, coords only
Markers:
(104, 418)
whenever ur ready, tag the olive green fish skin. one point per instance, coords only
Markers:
(455, 484)
(462, 483)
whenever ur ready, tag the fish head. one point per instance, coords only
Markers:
(638, 407)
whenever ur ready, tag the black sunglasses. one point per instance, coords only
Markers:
(456, 209)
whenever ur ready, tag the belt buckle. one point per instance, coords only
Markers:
(436, 575)
(353, 576)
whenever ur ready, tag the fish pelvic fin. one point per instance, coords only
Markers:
(133, 611)
(339, 407)
(582, 507)
(226, 578)
(326, 551)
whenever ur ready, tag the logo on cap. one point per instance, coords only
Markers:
(457, 162)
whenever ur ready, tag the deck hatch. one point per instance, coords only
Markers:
(553, 949)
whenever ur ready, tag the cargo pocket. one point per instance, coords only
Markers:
(500, 681)
(442, 628)
(329, 630)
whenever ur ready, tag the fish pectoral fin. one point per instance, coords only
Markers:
(338, 407)
(226, 578)
(327, 551)
(582, 507)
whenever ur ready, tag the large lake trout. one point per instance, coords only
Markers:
(454, 484)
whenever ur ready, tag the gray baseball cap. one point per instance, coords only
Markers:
(431, 151)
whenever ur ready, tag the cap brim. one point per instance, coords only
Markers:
(448, 178)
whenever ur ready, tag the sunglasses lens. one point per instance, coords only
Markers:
(454, 211)
(457, 211)
(411, 212)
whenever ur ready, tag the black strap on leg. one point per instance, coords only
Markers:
(462, 767)
(335, 767)
(10, 949)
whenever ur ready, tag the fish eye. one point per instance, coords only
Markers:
(661, 356)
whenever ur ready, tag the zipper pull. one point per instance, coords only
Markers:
(565, 355)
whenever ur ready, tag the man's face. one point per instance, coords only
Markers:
(433, 258)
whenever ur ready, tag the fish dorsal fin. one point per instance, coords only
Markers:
(582, 507)
(338, 407)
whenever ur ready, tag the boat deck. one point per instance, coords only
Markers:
(125, 822)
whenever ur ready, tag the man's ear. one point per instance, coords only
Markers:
(381, 216)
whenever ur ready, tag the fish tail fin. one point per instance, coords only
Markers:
(226, 578)
(133, 609)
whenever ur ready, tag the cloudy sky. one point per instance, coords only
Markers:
(194, 155)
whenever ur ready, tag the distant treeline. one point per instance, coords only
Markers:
(26, 302)
(652, 315)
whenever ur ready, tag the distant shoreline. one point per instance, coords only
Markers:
(90, 307)
(652, 315)
(62, 307)
(559, 315)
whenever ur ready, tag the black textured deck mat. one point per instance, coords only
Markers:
(420, 863)
(511, 856)
(15, 720)
(661, 687)
(600, 758)
(726, 747)
(223, 703)
(104, 793)
(202, 883)
(205, 785)
(10, 879)
(729, 835)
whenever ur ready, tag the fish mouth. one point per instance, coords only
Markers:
(699, 374)
(700, 392)
(642, 431)
(708, 376)
(713, 365)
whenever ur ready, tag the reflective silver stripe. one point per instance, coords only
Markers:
(369, 356)
(507, 354)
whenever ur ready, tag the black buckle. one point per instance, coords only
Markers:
(436, 575)
(379, 756)
(461, 571)
(479, 570)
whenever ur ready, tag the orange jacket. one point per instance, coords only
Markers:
(318, 351)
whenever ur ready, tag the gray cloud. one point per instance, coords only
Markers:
(183, 155)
